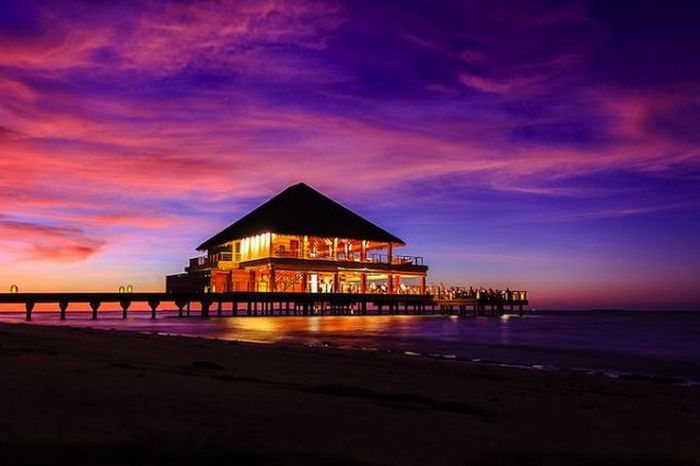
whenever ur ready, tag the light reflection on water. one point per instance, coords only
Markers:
(646, 342)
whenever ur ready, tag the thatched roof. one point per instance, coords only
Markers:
(301, 210)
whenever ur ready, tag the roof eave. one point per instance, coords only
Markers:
(207, 244)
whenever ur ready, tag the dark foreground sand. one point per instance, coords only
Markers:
(76, 396)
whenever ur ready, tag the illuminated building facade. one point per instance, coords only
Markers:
(302, 241)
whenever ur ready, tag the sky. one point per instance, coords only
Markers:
(548, 146)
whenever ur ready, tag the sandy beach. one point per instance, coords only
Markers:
(105, 397)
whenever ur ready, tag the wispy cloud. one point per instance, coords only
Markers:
(47, 242)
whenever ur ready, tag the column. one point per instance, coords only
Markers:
(251, 281)
(389, 253)
(272, 278)
(335, 248)
(363, 251)
(422, 284)
(336, 283)
(363, 282)
(389, 284)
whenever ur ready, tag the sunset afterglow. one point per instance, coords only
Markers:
(540, 147)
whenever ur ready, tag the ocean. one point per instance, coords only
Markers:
(663, 345)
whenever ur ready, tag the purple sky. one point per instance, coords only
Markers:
(551, 146)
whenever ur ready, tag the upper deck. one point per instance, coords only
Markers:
(304, 252)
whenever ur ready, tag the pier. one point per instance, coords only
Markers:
(240, 304)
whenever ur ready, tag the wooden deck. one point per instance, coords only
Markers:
(480, 306)
(259, 303)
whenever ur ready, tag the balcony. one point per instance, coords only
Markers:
(351, 257)
(400, 260)
(204, 263)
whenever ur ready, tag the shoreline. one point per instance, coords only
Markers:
(70, 387)
(534, 364)
(448, 357)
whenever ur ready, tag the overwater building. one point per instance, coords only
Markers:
(302, 241)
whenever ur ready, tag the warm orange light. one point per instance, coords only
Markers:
(122, 289)
(14, 289)
(129, 289)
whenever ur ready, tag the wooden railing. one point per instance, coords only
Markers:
(205, 262)
(479, 294)
(383, 259)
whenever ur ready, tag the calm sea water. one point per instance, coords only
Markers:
(616, 343)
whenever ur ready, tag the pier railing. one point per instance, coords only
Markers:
(479, 294)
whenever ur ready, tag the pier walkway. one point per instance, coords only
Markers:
(269, 303)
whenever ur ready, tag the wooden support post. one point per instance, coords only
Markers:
(124, 304)
(219, 309)
(363, 282)
(273, 285)
(63, 306)
(422, 284)
(28, 307)
(205, 303)
(94, 305)
(390, 284)
(153, 304)
(336, 283)
(180, 305)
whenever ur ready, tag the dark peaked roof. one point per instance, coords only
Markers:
(301, 210)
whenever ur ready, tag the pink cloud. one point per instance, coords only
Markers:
(45, 242)
(494, 86)
(162, 38)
